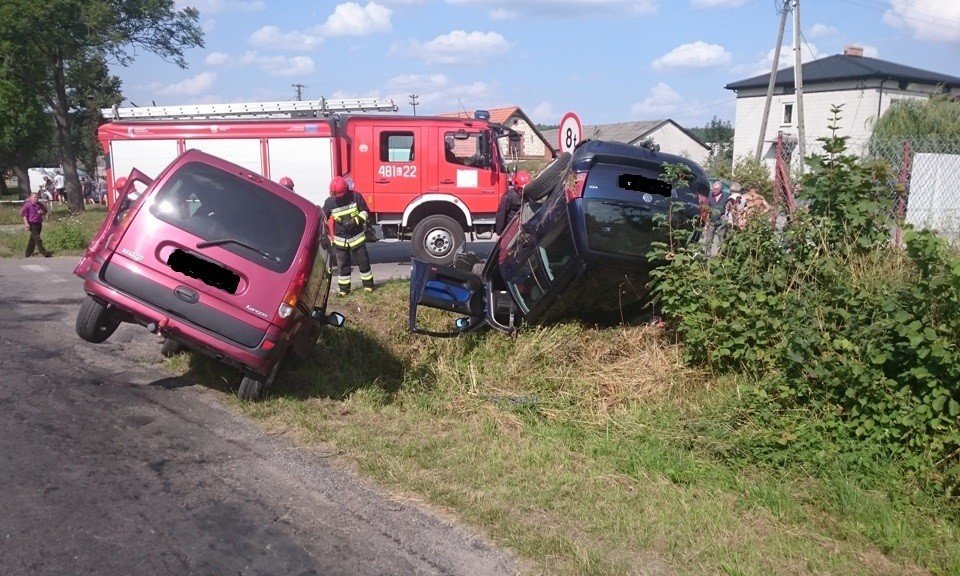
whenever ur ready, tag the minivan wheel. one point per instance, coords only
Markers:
(95, 322)
(437, 239)
(171, 348)
(254, 386)
(548, 180)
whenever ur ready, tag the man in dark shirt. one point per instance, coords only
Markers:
(33, 211)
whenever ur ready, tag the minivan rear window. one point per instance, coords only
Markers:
(233, 213)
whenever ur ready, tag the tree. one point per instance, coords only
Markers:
(23, 126)
(718, 134)
(77, 33)
(95, 88)
(939, 115)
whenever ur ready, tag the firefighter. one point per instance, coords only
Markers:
(348, 212)
(511, 202)
(287, 183)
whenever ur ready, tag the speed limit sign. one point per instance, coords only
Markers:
(570, 132)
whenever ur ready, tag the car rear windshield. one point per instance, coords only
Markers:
(233, 213)
(622, 207)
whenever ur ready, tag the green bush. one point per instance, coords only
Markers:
(853, 346)
(67, 234)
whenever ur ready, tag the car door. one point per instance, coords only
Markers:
(467, 171)
(449, 289)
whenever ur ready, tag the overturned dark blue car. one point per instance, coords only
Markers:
(577, 250)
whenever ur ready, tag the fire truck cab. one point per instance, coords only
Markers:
(432, 180)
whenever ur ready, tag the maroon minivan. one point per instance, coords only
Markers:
(216, 258)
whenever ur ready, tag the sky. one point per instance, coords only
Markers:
(606, 60)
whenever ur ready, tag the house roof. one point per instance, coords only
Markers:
(626, 132)
(497, 115)
(847, 67)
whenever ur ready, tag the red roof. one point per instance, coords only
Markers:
(497, 115)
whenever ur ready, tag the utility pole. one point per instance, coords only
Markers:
(299, 91)
(773, 78)
(413, 102)
(798, 79)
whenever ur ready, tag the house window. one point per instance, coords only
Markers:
(787, 115)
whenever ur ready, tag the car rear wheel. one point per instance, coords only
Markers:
(437, 239)
(254, 386)
(548, 180)
(96, 322)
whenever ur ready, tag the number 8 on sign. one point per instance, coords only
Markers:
(570, 132)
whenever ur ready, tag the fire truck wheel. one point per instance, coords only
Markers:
(548, 180)
(437, 239)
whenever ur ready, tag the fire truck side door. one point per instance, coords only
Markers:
(397, 167)
(466, 172)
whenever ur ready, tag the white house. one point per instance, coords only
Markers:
(865, 87)
(670, 136)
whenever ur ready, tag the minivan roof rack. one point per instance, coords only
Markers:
(289, 109)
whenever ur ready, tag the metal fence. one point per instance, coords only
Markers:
(926, 190)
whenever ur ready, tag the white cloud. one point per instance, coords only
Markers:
(808, 52)
(347, 19)
(272, 37)
(510, 9)
(221, 6)
(661, 101)
(718, 3)
(437, 93)
(456, 47)
(351, 19)
(933, 20)
(216, 59)
(543, 113)
(189, 87)
(819, 30)
(698, 54)
(280, 65)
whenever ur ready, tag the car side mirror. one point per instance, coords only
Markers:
(335, 319)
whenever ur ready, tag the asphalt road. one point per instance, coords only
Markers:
(108, 465)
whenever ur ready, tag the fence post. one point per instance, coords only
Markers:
(902, 181)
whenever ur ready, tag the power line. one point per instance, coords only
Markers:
(413, 102)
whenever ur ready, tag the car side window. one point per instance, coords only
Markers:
(557, 250)
(318, 282)
(526, 285)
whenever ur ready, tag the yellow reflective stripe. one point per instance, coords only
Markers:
(348, 211)
(367, 276)
(351, 242)
(363, 215)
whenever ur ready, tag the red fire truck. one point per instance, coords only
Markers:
(431, 180)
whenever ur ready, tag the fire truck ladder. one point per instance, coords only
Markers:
(292, 109)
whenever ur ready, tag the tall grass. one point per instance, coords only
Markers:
(583, 450)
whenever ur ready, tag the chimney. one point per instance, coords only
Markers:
(853, 51)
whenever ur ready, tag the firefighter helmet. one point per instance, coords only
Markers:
(521, 179)
(286, 182)
(119, 183)
(338, 186)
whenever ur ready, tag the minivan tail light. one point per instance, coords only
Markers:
(292, 294)
(114, 238)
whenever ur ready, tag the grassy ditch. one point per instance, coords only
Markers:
(586, 451)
